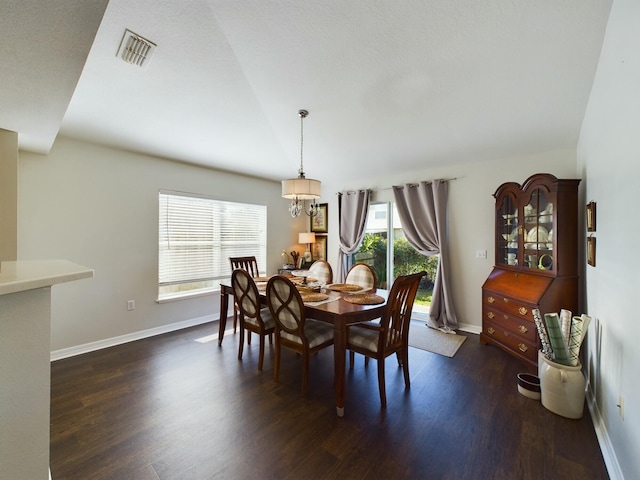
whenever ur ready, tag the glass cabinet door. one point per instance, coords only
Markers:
(507, 223)
(538, 252)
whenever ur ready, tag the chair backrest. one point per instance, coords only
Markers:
(250, 264)
(286, 306)
(363, 275)
(322, 271)
(245, 293)
(397, 315)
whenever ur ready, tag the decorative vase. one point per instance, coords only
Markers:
(562, 387)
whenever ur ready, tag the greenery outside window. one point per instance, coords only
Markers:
(196, 237)
(390, 259)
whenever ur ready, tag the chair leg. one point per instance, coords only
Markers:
(235, 316)
(405, 366)
(241, 341)
(381, 383)
(351, 359)
(248, 337)
(271, 339)
(261, 354)
(366, 361)
(276, 361)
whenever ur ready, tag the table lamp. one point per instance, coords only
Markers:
(308, 238)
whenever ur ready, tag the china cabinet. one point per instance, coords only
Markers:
(536, 262)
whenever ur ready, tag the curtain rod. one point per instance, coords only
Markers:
(371, 190)
(416, 184)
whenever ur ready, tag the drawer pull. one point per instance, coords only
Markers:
(505, 316)
(522, 329)
(505, 300)
(522, 347)
(490, 331)
(491, 299)
(522, 310)
(490, 315)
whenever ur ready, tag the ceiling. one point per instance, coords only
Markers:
(389, 84)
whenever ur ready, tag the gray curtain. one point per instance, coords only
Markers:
(353, 208)
(423, 212)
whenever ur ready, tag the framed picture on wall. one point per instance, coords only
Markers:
(320, 222)
(320, 248)
(591, 251)
(591, 217)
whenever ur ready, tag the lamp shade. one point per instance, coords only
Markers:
(306, 237)
(301, 188)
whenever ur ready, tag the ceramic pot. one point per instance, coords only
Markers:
(561, 387)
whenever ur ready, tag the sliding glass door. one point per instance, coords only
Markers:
(386, 249)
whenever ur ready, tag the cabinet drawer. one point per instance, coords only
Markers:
(517, 325)
(508, 305)
(516, 343)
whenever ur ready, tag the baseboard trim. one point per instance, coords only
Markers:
(130, 337)
(608, 453)
(422, 316)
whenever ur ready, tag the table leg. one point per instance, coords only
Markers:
(224, 303)
(339, 354)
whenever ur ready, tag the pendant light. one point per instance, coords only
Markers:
(301, 189)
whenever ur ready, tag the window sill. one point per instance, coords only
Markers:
(187, 296)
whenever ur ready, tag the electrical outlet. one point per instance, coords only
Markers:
(131, 305)
(481, 254)
(621, 407)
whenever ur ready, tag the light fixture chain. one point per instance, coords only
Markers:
(303, 114)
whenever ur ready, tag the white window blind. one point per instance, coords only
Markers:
(197, 235)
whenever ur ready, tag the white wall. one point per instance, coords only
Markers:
(471, 214)
(609, 159)
(98, 207)
(8, 195)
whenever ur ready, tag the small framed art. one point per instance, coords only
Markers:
(320, 248)
(591, 251)
(591, 217)
(320, 222)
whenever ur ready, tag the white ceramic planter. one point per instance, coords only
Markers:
(561, 387)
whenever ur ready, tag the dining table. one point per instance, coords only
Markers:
(335, 311)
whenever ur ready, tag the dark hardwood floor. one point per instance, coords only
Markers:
(170, 408)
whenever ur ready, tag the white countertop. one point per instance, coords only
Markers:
(31, 274)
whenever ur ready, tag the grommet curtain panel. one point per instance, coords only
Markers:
(422, 209)
(353, 207)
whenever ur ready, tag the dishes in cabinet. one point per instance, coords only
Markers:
(538, 234)
(508, 217)
(510, 237)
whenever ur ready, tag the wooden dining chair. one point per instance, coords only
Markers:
(293, 330)
(321, 271)
(363, 275)
(391, 335)
(252, 317)
(250, 264)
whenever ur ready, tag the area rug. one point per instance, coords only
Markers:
(431, 340)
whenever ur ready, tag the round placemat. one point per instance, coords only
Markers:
(344, 287)
(364, 299)
(313, 297)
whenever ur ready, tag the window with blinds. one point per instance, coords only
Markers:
(197, 235)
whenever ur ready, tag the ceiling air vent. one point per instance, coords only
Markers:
(135, 49)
